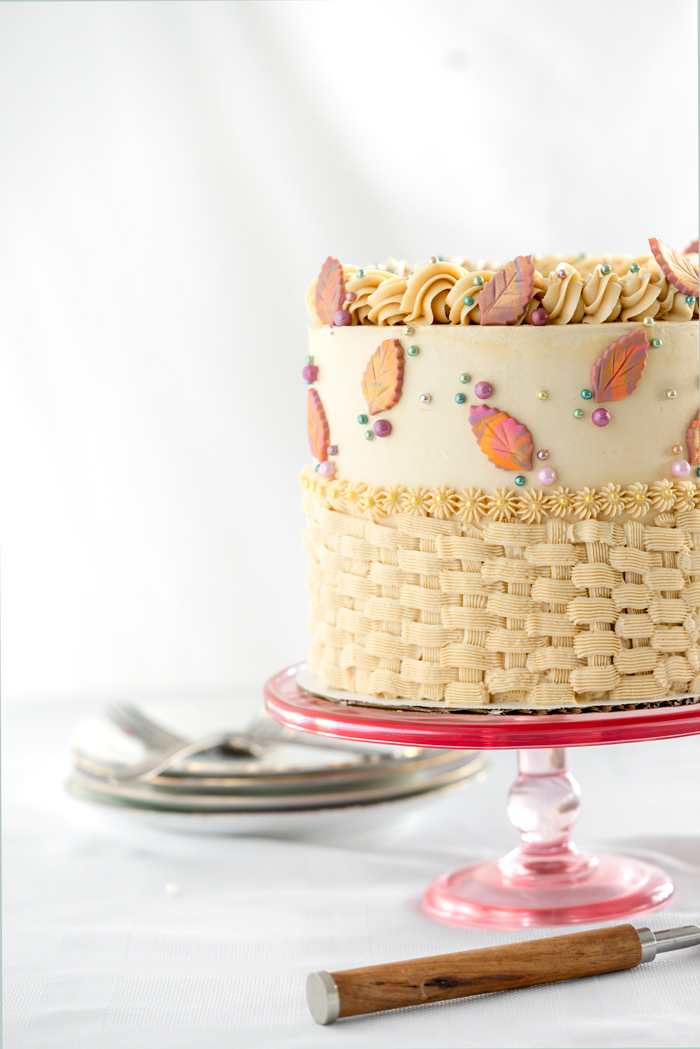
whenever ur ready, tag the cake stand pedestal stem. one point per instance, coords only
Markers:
(544, 803)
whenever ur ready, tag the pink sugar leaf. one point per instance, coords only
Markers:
(505, 298)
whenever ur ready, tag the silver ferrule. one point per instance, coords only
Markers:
(654, 943)
(322, 997)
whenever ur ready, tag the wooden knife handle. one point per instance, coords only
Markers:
(422, 980)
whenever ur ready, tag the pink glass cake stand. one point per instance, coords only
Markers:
(546, 880)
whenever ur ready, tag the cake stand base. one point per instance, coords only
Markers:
(545, 880)
(611, 887)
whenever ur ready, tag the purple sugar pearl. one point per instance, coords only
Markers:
(539, 316)
(382, 427)
(342, 317)
(327, 469)
(546, 475)
(600, 417)
(680, 468)
(483, 390)
(310, 373)
(332, 449)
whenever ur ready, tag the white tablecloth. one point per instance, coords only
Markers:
(98, 954)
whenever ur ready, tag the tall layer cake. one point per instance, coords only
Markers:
(503, 507)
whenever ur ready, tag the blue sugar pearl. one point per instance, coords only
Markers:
(656, 343)
(460, 398)
(468, 300)
(316, 467)
(690, 299)
(412, 351)
(369, 435)
(362, 420)
(697, 472)
(586, 394)
(520, 480)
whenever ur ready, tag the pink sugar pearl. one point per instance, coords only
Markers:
(310, 373)
(350, 296)
(543, 454)
(382, 427)
(483, 390)
(600, 417)
(546, 475)
(327, 469)
(342, 317)
(539, 316)
(680, 468)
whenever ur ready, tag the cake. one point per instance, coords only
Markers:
(503, 504)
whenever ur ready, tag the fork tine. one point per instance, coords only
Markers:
(132, 720)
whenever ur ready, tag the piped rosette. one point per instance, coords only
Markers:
(425, 298)
(468, 287)
(563, 300)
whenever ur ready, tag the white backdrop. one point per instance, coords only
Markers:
(173, 175)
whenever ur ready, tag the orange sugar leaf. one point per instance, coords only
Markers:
(617, 371)
(693, 440)
(504, 441)
(330, 290)
(383, 377)
(681, 272)
(317, 425)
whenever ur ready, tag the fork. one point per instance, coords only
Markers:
(259, 734)
(250, 742)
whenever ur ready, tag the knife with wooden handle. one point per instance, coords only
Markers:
(419, 981)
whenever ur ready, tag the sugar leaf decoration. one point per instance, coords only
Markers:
(682, 273)
(693, 440)
(504, 441)
(383, 377)
(317, 425)
(616, 373)
(330, 290)
(507, 295)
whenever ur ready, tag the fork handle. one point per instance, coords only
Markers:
(164, 759)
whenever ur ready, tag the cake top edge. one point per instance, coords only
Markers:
(531, 289)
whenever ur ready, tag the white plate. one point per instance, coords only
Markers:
(461, 767)
(343, 825)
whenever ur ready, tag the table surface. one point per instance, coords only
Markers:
(97, 953)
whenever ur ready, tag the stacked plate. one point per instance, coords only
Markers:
(289, 784)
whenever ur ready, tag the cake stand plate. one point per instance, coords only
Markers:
(545, 880)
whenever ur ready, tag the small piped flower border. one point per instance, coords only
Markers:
(530, 507)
